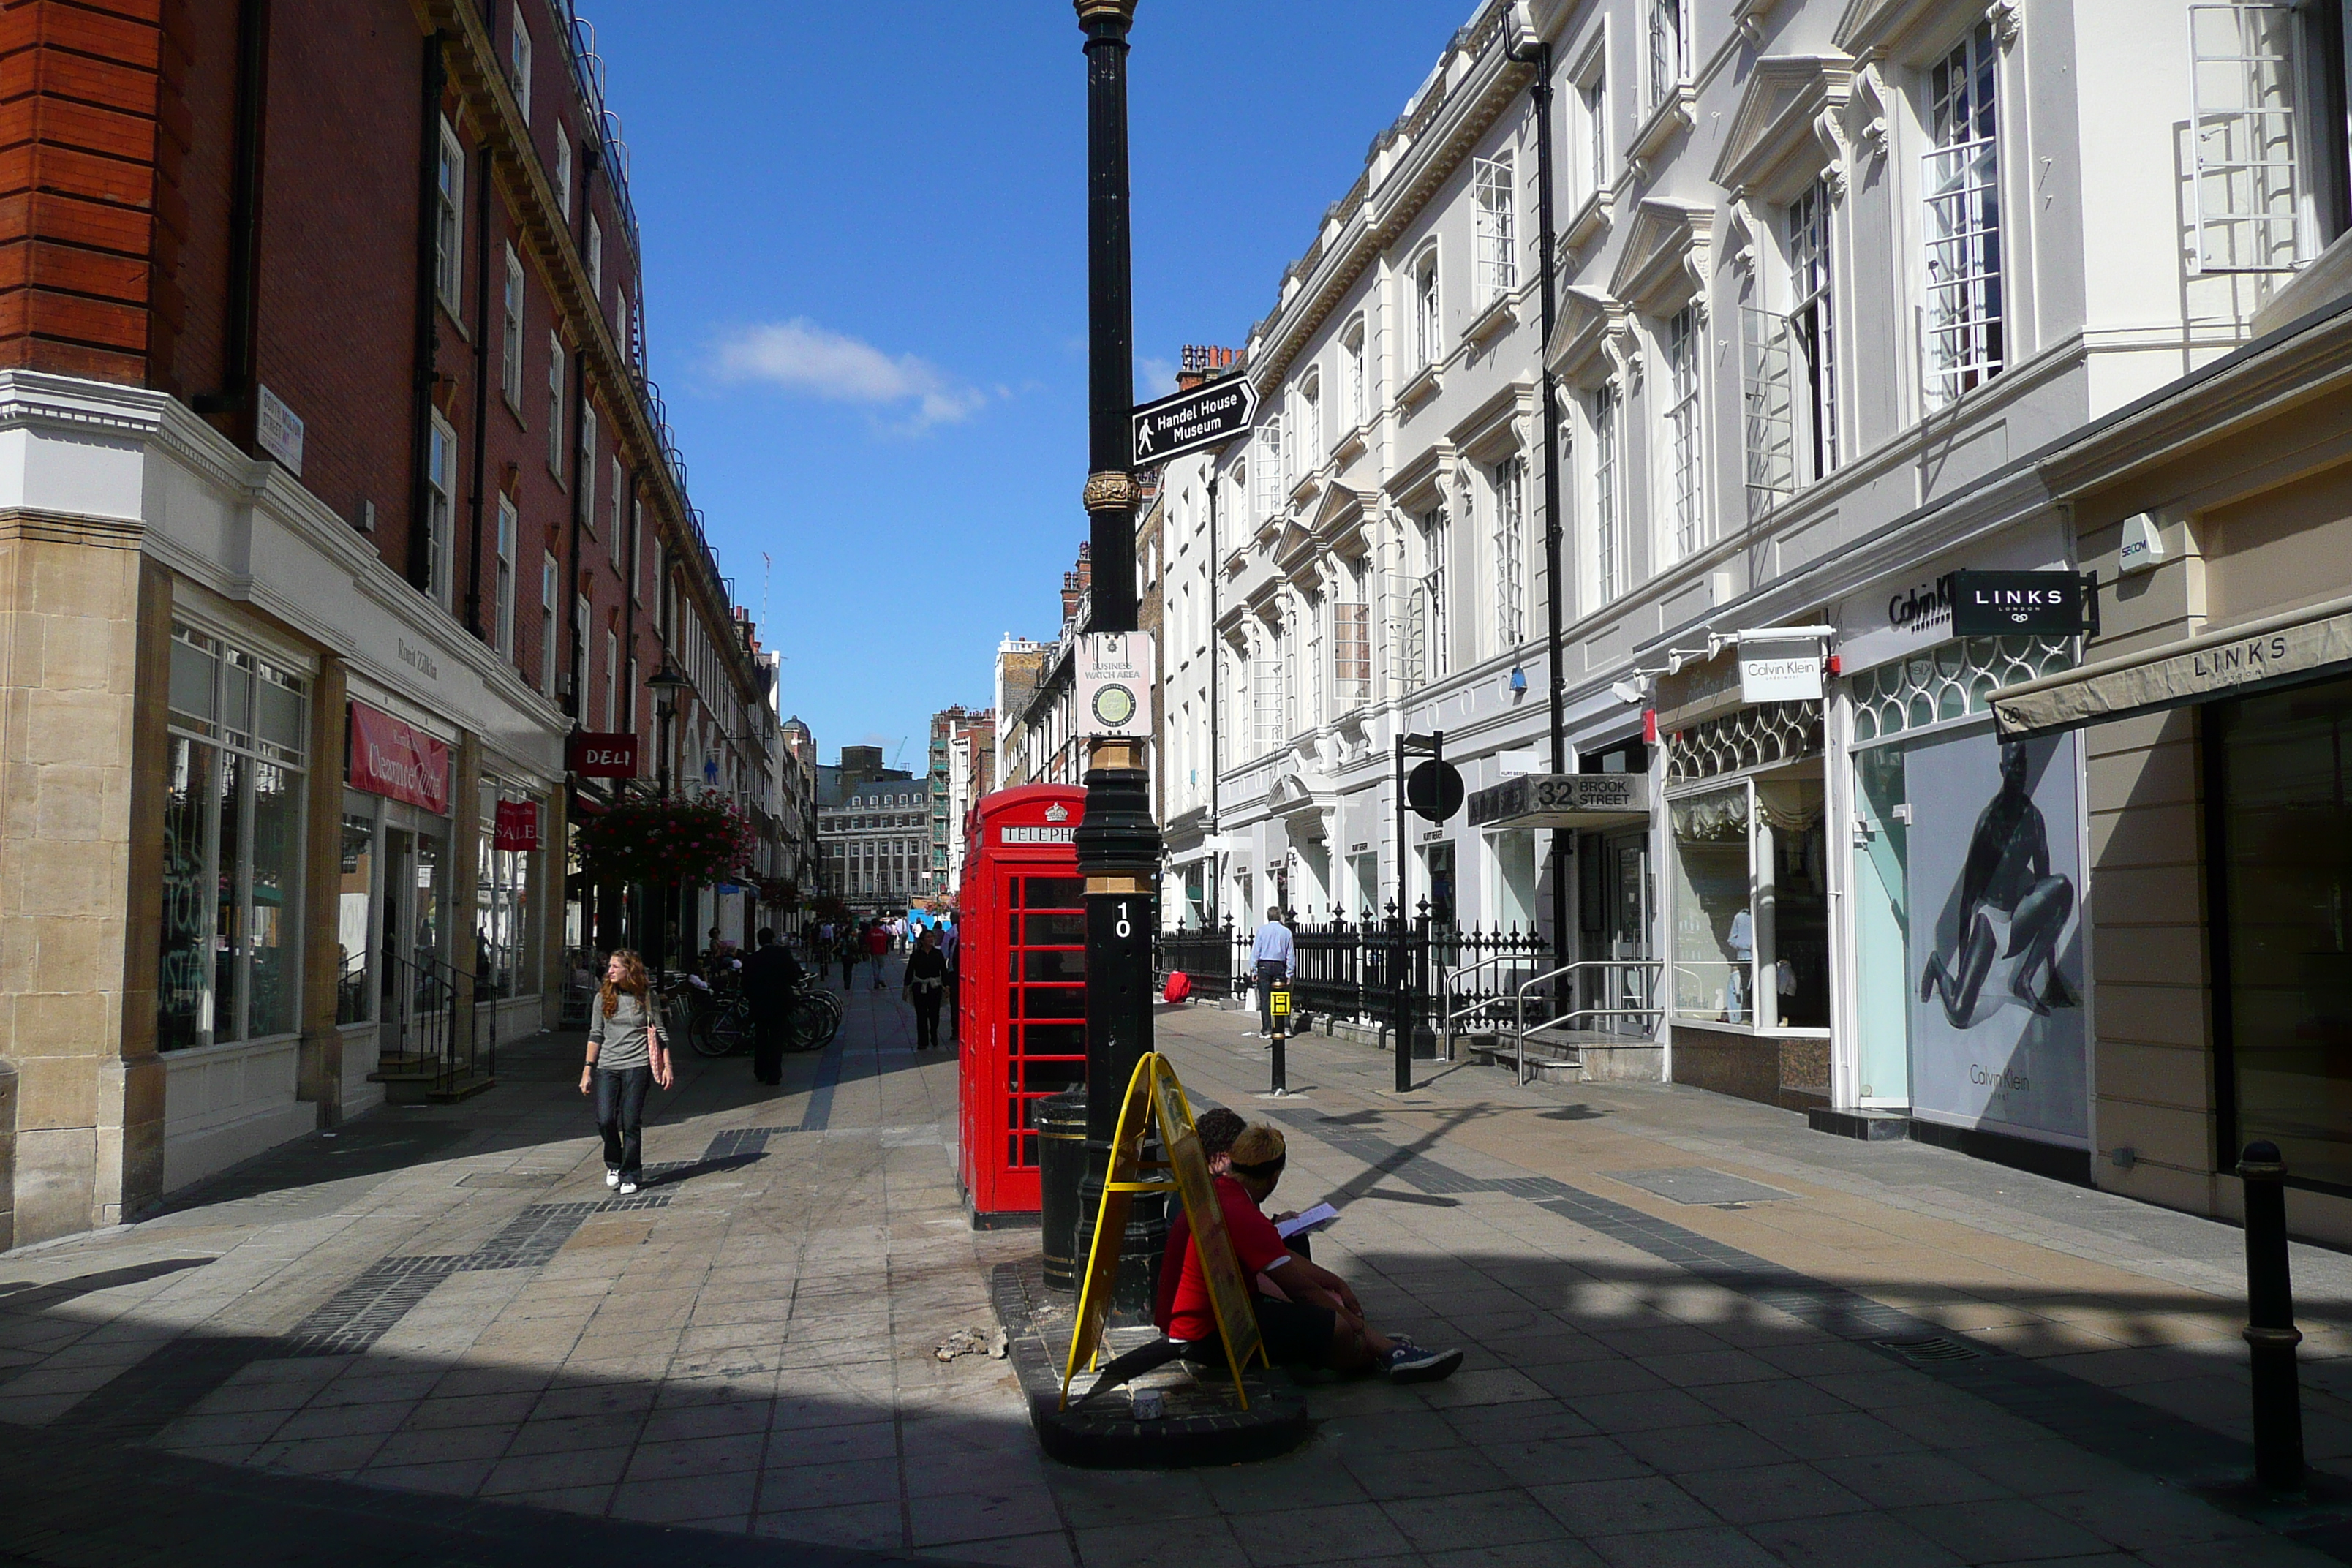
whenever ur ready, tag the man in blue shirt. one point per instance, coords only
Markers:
(1270, 953)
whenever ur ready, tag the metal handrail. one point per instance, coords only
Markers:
(1519, 1035)
(1448, 979)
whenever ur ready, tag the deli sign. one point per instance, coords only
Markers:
(398, 761)
(594, 755)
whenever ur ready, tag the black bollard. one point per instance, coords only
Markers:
(1281, 1015)
(2270, 1333)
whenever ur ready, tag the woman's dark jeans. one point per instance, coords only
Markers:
(620, 1114)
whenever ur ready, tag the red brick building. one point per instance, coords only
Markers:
(333, 497)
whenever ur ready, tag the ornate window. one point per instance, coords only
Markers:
(1498, 231)
(1951, 680)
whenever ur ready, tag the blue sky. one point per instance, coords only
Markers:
(865, 231)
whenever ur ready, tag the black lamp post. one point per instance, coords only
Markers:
(1119, 843)
(665, 683)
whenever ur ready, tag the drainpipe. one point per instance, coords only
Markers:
(482, 391)
(1540, 56)
(420, 482)
(239, 338)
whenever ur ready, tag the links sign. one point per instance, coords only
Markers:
(1209, 415)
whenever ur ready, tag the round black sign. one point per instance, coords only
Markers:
(1433, 790)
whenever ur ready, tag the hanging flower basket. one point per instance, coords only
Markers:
(687, 841)
(778, 892)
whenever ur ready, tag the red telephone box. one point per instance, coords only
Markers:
(1021, 986)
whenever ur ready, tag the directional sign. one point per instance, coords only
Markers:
(1210, 414)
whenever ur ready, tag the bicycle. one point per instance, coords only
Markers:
(814, 1019)
(714, 1024)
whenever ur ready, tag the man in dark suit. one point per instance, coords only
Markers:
(771, 976)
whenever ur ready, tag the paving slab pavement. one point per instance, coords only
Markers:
(444, 1308)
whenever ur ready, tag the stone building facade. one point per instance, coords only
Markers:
(335, 496)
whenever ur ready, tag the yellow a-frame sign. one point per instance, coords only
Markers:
(1154, 1096)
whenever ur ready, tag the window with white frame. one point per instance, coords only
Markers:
(1685, 452)
(1609, 575)
(1240, 492)
(1435, 529)
(1669, 48)
(502, 611)
(510, 340)
(629, 696)
(1272, 455)
(550, 576)
(1507, 483)
(595, 260)
(449, 219)
(1592, 128)
(619, 493)
(440, 507)
(611, 679)
(1427, 322)
(588, 467)
(1351, 639)
(1812, 333)
(1353, 407)
(518, 62)
(1310, 422)
(1493, 187)
(563, 171)
(555, 406)
(582, 652)
(2270, 187)
(1964, 337)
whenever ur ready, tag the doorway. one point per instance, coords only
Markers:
(1882, 928)
(1615, 899)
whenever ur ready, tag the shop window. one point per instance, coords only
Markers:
(1752, 906)
(2284, 763)
(354, 898)
(1760, 736)
(230, 954)
(501, 908)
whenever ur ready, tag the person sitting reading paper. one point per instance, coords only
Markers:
(1321, 1325)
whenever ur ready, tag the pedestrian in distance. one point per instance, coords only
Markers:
(848, 952)
(1270, 953)
(926, 984)
(951, 949)
(771, 977)
(626, 1057)
(877, 944)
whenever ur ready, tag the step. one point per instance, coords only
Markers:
(1870, 1126)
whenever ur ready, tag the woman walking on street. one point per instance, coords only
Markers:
(927, 986)
(626, 1056)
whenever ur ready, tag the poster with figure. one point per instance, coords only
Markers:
(1995, 954)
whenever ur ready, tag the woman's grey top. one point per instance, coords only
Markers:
(621, 1038)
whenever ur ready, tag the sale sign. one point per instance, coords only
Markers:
(594, 755)
(399, 761)
(518, 824)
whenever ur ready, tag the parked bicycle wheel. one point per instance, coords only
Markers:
(815, 1017)
(730, 1026)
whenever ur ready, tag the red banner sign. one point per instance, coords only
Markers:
(601, 756)
(390, 758)
(518, 824)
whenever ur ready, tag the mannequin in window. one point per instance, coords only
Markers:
(2007, 891)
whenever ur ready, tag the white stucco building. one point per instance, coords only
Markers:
(1827, 278)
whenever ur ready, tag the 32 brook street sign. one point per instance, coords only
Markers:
(1209, 415)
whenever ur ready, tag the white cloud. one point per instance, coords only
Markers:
(800, 356)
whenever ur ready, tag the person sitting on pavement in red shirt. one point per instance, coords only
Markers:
(1322, 1324)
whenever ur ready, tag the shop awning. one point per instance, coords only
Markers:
(2172, 675)
(1563, 801)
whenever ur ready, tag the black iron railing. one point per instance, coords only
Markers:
(426, 1038)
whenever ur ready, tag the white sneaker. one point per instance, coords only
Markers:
(627, 1187)
(612, 1178)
